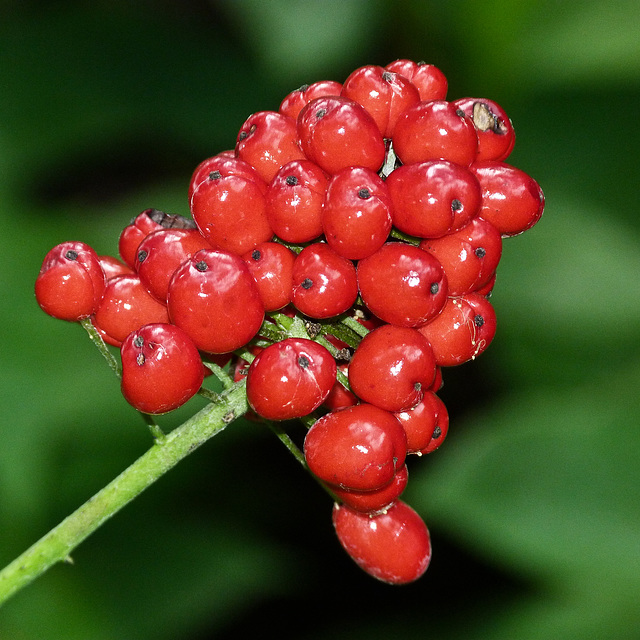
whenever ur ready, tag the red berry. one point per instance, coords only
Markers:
(360, 447)
(431, 199)
(229, 207)
(470, 256)
(427, 78)
(402, 284)
(496, 136)
(426, 424)
(271, 265)
(215, 300)
(161, 253)
(71, 282)
(357, 213)
(394, 546)
(294, 201)
(268, 140)
(161, 368)
(463, 330)
(226, 164)
(392, 367)
(384, 94)
(295, 101)
(113, 267)
(125, 307)
(340, 397)
(324, 283)
(373, 502)
(290, 379)
(336, 132)
(435, 130)
(512, 201)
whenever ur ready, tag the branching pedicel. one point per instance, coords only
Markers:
(363, 221)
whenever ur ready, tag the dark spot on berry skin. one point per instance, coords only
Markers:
(138, 341)
(321, 113)
(142, 255)
(256, 255)
(303, 362)
(437, 432)
(481, 252)
(242, 136)
(302, 87)
(456, 205)
(307, 283)
(417, 386)
(140, 360)
(434, 288)
(364, 193)
(291, 181)
(387, 76)
(215, 175)
(461, 113)
(478, 320)
(71, 255)
(202, 266)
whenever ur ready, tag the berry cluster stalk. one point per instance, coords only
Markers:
(56, 545)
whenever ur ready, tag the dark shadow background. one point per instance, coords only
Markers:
(105, 110)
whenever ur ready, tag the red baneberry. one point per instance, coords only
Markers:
(402, 284)
(430, 81)
(214, 298)
(161, 368)
(290, 379)
(426, 424)
(393, 546)
(71, 282)
(295, 101)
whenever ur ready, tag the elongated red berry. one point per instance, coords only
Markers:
(295, 101)
(215, 300)
(394, 546)
(71, 282)
(430, 81)
(336, 132)
(161, 368)
(360, 447)
(290, 379)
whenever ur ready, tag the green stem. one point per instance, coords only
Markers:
(56, 545)
(96, 338)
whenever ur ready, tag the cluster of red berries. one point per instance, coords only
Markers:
(373, 211)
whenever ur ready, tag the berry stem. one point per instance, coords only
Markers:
(58, 543)
(96, 338)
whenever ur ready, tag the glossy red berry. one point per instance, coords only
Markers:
(430, 81)
(215, 300)
(340, 397)
(426, 424)
(496, 135)
(290, 379)
(271, 265)
(295, 101)
(324, 283)
(161, 368)
(71, 282)
(383, 93)
(360, 447)
(113, 267)
(161, 253)
(435, 130)
(125, 307)
(294, 201)
(229, 208)
(268, 140)
(463, 330)
(357, 213)
(394, 546)
(470, 256)
(512, 201)
(336, 132)
(431, 199)
(374, 502)
(392, 367)
(402, 284)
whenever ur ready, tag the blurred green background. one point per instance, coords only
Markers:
(106, 107)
